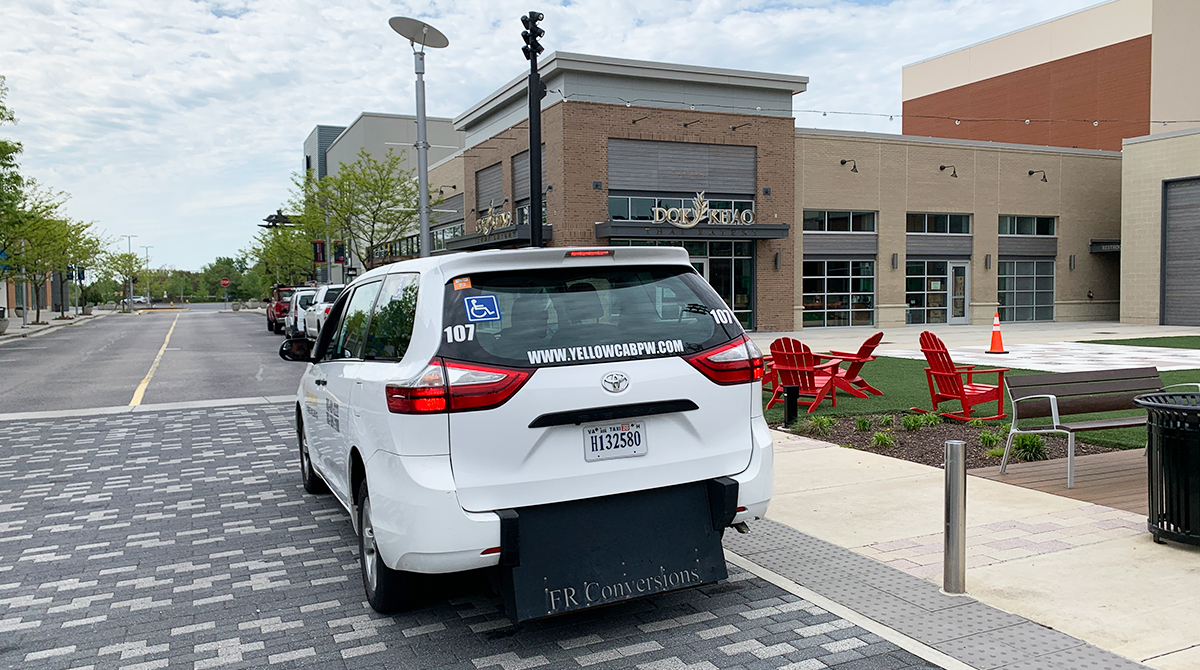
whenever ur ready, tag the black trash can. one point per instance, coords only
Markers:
(1173, 465)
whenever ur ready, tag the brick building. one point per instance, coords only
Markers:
(803, 227)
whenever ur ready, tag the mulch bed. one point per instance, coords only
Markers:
(927, 445)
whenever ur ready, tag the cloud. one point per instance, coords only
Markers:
(180, 121)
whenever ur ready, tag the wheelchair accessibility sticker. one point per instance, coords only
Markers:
(481, 308)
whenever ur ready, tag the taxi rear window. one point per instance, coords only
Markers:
(536, 318)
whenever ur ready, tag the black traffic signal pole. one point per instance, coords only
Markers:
(536, 92)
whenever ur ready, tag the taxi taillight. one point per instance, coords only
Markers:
(455, 386)
(735, 362)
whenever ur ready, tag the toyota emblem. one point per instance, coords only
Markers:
(615, 382)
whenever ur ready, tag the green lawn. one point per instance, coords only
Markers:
(1180, 342)
(903, 384)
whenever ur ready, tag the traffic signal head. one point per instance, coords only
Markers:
(532, 34)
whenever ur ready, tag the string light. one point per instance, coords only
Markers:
(890, 117)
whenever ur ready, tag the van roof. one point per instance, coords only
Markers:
(498, 260)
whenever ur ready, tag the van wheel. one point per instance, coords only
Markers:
(312, 481)
(388, 590)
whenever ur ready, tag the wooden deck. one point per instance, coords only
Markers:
(1114, 479)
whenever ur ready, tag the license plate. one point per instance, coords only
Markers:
(614, 440)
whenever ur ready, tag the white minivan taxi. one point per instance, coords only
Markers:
(584, 422)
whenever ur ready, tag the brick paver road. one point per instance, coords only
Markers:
(182, 539)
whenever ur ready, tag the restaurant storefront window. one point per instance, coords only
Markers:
(839, 293)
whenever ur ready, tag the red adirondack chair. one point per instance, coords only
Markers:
(948, 381)
(795, 365)
(851, 373)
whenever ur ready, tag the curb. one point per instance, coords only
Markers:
(48, 329)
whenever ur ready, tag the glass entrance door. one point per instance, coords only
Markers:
(960, 295)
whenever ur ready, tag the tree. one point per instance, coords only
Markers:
(122, 267)
(10, 179)
(373, 201)
(11, 186)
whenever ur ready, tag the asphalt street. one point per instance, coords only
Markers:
(211, 354)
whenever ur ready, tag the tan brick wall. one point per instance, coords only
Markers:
(1145, 166)
(901, 175)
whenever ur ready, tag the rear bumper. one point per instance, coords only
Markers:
(757, 480)
(421, 527)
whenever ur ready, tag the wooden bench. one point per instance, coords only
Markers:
(1066, 394)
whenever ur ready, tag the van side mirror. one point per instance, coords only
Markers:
(299, 349)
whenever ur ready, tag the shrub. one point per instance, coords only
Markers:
(975, 423)
(818, 425)
(995, 452)
(931, 419)
(1029, 447)
(887, 420)
(989, 439)
(911, 422)
(862, 422)
(881, 439)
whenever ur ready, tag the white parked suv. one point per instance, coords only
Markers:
(293, 323)
(584, 421)
(315, 316)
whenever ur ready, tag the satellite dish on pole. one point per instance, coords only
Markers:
(419, 32)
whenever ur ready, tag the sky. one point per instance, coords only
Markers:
(181, 121)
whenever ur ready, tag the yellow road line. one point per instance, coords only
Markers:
(141, 389)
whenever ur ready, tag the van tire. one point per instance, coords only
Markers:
(308, 476)
(388, 590)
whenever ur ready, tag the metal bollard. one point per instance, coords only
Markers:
(954, 555)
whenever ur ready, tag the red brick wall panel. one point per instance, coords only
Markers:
(1112, 82)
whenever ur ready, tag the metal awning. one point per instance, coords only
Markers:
(508, 237)
(703, 231)
(1105, 247)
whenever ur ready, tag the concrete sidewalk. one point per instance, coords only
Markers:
(1089, 571)
(16, 332)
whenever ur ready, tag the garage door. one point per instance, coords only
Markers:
(1181, 260)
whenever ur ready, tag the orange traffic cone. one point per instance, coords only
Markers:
(997, 341)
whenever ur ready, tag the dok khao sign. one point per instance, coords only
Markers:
(700, 212)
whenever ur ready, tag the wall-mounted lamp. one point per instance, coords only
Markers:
(692, 123)
(853, 165)
(1033, 172)
(895, 261)
(953, 170)
(766, 190)
(443, 187)
(778, 261)
(741, 125)
(549, 187)
(1072, 261)
(640, 119)
(987, 262)
(597, 185)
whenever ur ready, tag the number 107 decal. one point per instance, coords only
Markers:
(459, 333)
(723, 316)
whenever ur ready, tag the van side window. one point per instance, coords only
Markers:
(352, 329)
(392, 319)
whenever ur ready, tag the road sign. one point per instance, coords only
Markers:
(224, 281)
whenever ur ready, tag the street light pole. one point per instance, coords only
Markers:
(129, 295)
(419, 32)
(147, 250)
